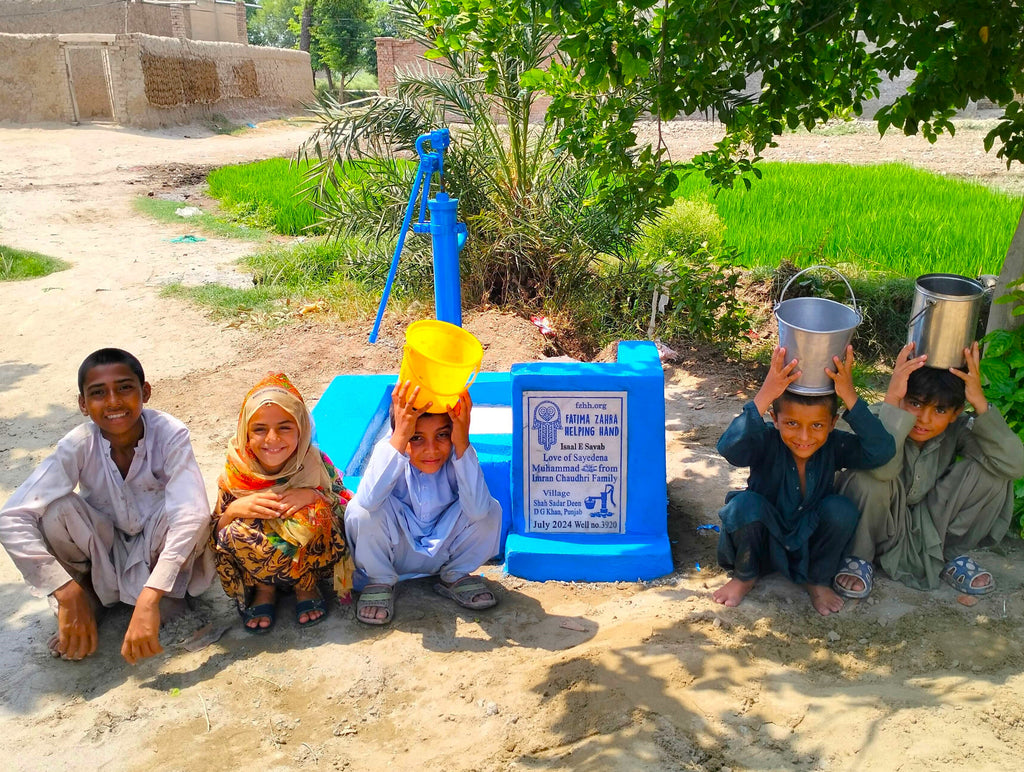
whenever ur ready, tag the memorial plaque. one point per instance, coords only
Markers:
(574, 461)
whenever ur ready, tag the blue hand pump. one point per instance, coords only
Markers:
(448, 236)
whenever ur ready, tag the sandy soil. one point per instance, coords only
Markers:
(617, 676)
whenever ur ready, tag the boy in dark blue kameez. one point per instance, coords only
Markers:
(789, 519)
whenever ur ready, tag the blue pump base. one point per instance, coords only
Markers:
(587, 558)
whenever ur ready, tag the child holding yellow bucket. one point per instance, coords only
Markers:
(789, 518)
(948, 489)
(422, 507)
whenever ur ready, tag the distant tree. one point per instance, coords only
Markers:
(342, 36)
(268, 24)
(816, 59)
(338, 35)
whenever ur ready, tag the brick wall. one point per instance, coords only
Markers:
(398, 55)
(90, 16)
(33, 80)
(156, 81)
(178, 23)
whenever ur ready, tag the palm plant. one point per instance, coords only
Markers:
(537, 231)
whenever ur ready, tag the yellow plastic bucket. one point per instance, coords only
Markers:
(442, 359)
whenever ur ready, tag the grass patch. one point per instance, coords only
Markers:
(18, 264)
(362, 81)
(219, 124)
(276, 304)
(163, 210)
(229, 302)
(339, 278)
(266, 194)
(269, 194)
(888, 217)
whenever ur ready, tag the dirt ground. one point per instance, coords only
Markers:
(619, 676)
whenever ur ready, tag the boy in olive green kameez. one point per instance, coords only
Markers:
(949, 488)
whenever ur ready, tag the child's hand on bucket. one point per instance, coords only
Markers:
(780, 375)
(843, 378)
(459, 413)
(906, 363)
(403, 400)
(973, 392)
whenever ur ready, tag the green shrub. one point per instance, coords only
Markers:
(1002, 366)
(692, 297)
(682, 228)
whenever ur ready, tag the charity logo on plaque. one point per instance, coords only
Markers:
(575, 461)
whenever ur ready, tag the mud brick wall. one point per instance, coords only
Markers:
(62, 16)
(33, 80)
(165, 81)
(397, 55)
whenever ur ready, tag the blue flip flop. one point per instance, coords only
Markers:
(858, 569)
(961, 572)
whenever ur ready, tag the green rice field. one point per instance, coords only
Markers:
(266, 194)
(887, 217)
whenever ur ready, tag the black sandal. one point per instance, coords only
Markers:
(308, 605)
(249, 613)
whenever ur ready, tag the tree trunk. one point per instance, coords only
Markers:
(307, 22)
(1000, 318)
(330, 79)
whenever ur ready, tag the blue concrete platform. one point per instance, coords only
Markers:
(579, 468)
(353, 413)
(599, 426)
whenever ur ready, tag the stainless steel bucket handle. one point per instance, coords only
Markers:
(792, 278)
(927, 307)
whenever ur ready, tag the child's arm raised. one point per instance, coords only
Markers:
(388, 461)
(843, 378)
(406, 415)
(872, 446)
(460, 423)
(780, 376)
(904, 366)
(474, 494)
(990, 440)
(973, 392)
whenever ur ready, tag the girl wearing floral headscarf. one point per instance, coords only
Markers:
(278, 520)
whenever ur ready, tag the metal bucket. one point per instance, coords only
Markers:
(813, 330)
(944, 317)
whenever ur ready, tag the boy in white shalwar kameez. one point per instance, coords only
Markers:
(422, 508)
(137, 528)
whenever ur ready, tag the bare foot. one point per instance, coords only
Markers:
(851, 583)
(824, 599)
(53, 645)
(265, 593)
(308, 616)
(733, 592)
